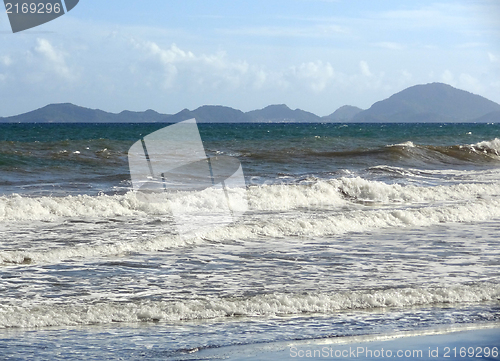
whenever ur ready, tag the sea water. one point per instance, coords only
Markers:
(352, 229)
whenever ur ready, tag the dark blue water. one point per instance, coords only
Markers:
(92, 158)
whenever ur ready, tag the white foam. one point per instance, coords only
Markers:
(340, 191)
(408, 144)
(362, 189)
(327, 224)
(287, 197)
(493, 145)
(336, 193)
(18, 208)
(120, 247)
(28, 315)
(332, 208)
(486, 147)
(296, 224)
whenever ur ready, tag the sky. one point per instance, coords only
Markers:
(315, 55)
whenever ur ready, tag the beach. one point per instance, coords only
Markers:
(343, 235)
(463, 343)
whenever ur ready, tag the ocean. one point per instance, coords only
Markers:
(351, 230)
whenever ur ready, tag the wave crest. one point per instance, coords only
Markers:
(43, 315)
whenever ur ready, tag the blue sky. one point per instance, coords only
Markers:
(315, 55)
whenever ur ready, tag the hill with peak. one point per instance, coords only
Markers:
(426, 103)
(435, 102)
(343, 114)
(70, 113)
(211, 114)
(281, 113)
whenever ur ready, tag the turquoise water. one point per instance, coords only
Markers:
(352, 229)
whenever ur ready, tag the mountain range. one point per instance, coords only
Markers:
(434, 102)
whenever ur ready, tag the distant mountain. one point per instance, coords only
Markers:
(70, 113)
(343, 114)
(221, 114)
(211, 114)
(282, 113)
(426, 103)
(148, 116)
(434, 102)
(493, 117)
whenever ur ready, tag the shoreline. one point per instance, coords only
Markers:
(444, 343)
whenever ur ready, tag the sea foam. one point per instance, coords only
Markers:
(86, 313)
(329, 193)
(325, 208)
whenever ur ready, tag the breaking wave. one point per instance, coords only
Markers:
(482, 152)
(329, 193)
(50, 314)
(322, 208)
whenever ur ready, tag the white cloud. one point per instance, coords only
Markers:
(260, 79)
(493, 58)
(470, 83)
(200, 72)
(5, 60)
(434, 15)
(447, 77)
(365, 69)
(389, 45)
(172, 55)
(184, 68)
(471, 45)
(463, 81)
(314, 31)
(55, 59)
(406, 76)
(316, 75)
